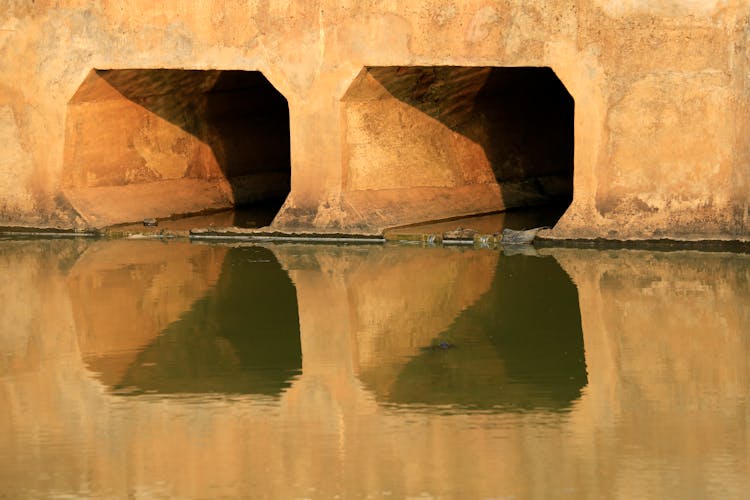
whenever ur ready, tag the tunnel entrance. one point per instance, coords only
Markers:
(144, 143)
(481, 139)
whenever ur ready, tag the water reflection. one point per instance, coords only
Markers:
(124, 294)
(35, 315)
(147, 369)
(667, 339)
(238, 333)
(390, 307)
(520, 346)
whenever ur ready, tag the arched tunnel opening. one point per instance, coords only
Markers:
(481, 139)
(156, 143)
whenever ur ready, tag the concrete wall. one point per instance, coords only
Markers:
(660, 93)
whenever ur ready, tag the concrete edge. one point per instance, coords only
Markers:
(52, 233)
(486, 241)
(662, 244)
(286, 237)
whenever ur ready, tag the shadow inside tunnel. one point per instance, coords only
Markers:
(522, 119)
(161, 124)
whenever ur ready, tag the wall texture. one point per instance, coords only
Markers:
(660, 91)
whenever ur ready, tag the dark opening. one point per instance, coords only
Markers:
(527, 131)
(523, 119)
(248, 123)
(229, 124)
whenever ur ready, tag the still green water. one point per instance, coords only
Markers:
(146, 369)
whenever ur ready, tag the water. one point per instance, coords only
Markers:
(147, 369)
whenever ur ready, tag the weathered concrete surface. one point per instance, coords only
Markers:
(660, 90)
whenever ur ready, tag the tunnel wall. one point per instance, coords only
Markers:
(143, 143)
(660, 90)
(466, 139)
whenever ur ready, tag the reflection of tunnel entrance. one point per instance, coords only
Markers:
(519, 347)
(454, 128)
(242, 337)
(156, 143)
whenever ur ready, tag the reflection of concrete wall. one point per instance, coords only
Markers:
(125, 293)
(328, 433)
(392, 300)
(660, 89)
(668, 357)
(35, 310)
(40, 364)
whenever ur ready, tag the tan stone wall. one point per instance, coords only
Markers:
(660, 98)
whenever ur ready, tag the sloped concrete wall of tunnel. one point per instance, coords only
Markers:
(144, 143)
(431, 142)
